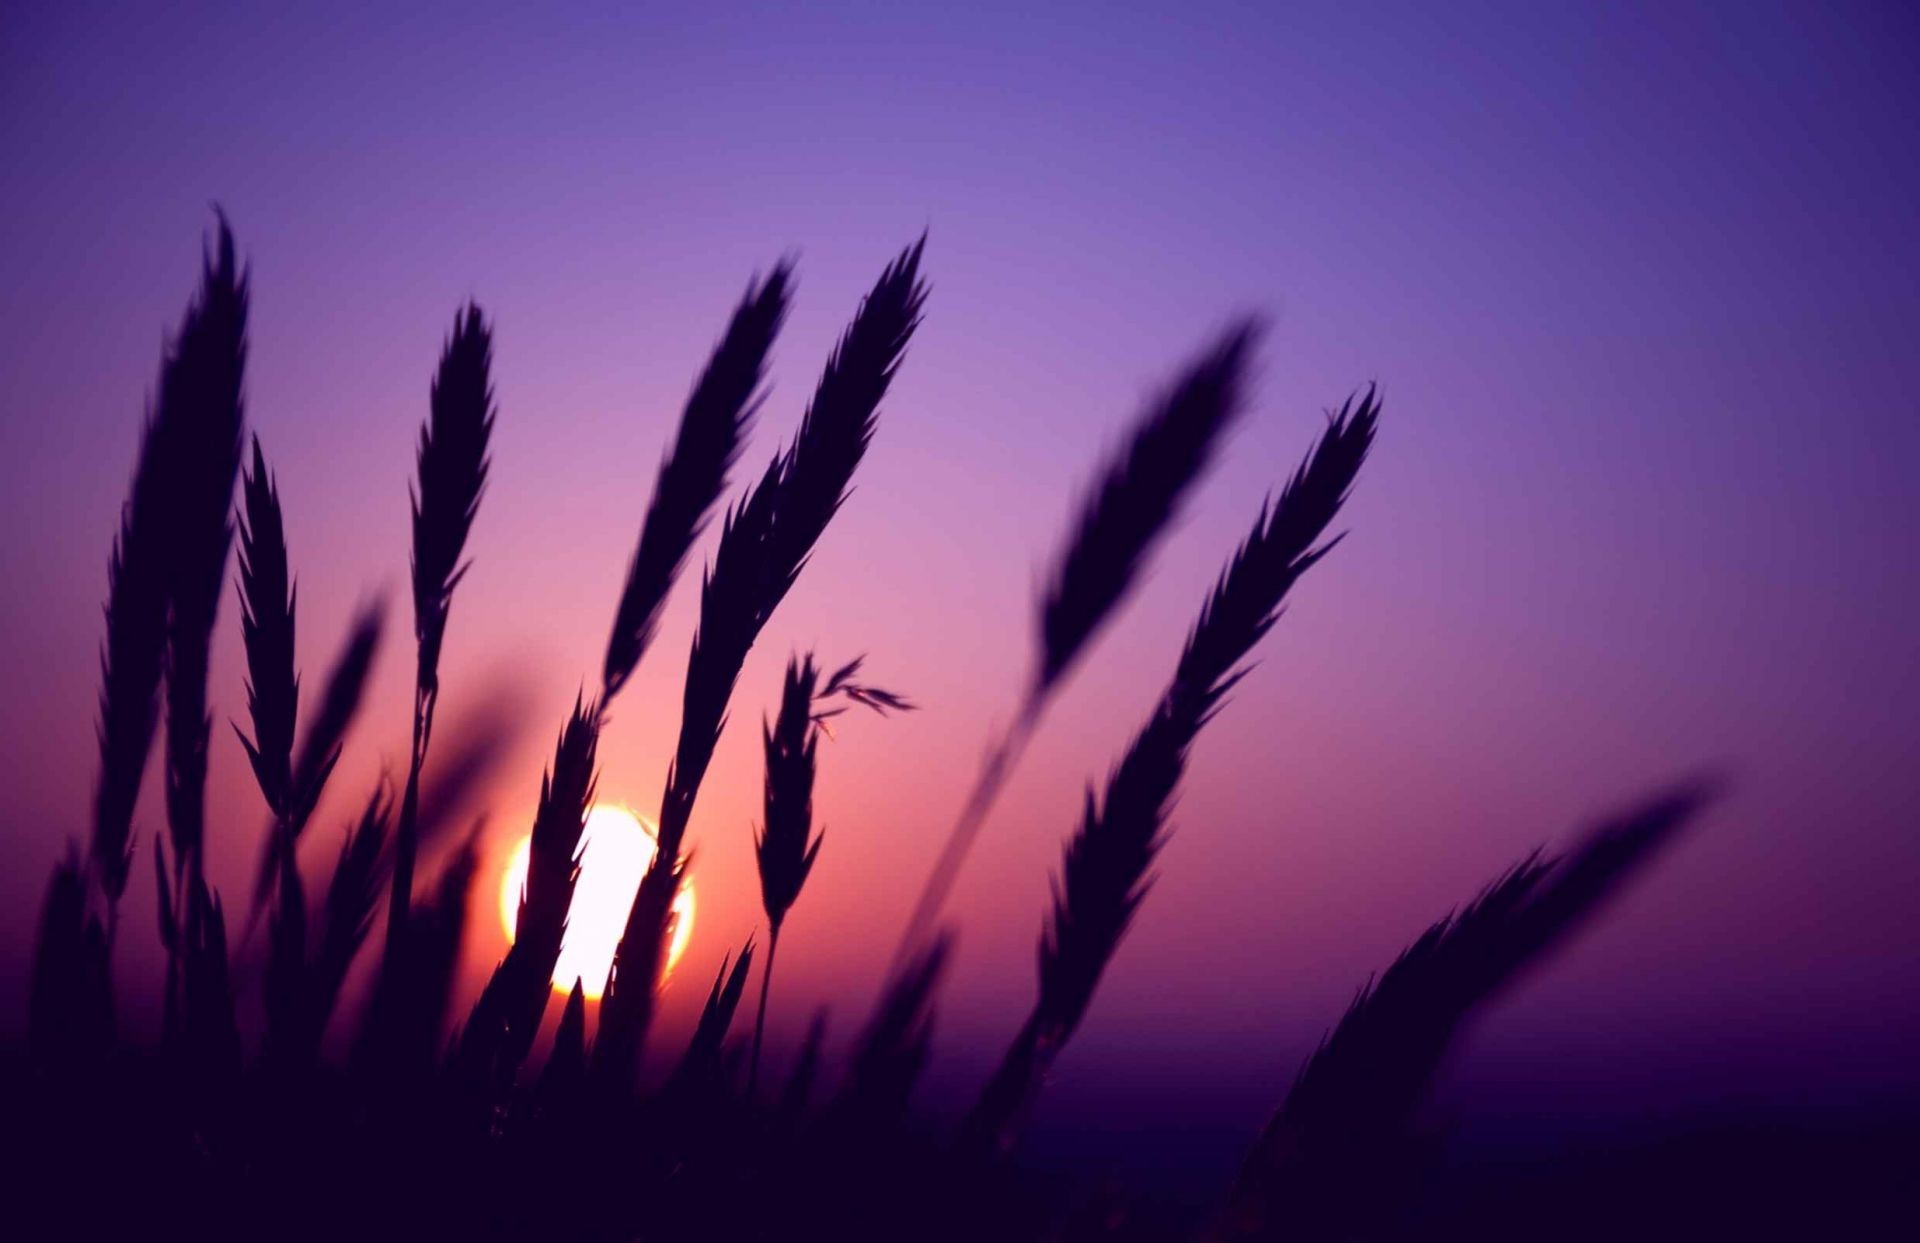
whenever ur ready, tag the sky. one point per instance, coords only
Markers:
(1639, 284)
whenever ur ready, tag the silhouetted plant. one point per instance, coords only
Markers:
(164, 577)
(1106, 871)
(764, 543)
(453, 475)
(267, 626)
(700, 1066)
(693, 475)
(894, 1049)
(1138, 494)
(500, 1031)
(1334, 1160)
(322, 743)
(566, 1068)
(131, 661)
(786, 844)
(202, 389)
(407, 1016)
(425, 1135)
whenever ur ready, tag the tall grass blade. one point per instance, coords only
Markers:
(168, 536)
(893, 1050)
(400, 1035)
(347, 911)
(566, 1067)
(700, 1065)
(201, 410)
(765, 542)
(1105, 873)
(840, 420)
(500, 1032)
(131, 660)
(1139, 493)
(692, 477)
(321, 745)
(786, 845)
(453, 474)
(340, 700)
(267, 596)
(452, 465)
(1328, 1162)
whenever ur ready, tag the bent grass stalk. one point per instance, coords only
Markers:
(1139, 492)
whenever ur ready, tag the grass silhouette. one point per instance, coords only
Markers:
(1139, 493)
(434, 1129)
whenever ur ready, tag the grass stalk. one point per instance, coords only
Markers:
(452, 465)
(500, 1032)
(1139, 493)
(693, 475)
(765, 541)
(1105, 872)
(1334, 1159)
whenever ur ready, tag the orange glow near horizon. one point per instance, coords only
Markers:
(616, 848)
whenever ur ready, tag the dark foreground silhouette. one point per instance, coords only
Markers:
(433, 1126)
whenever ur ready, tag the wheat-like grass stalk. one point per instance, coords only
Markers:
(500, 1031)
(774, 529)
(893, 1050)
(452, 465)
(693, 475)
(402, 1027)
(201, 402)
(267, 601)
(166, 541)
(566, 1067)
(839, 422)
(201, 421)
(700, 1066)
(320, 746)
(765, 541)
(303, 981)
(346, 913)
(1105, 873)
(1138, 495)
(1325, 1165)
(786, 845)
(395, 1146)
(131, 661)
(340, 699)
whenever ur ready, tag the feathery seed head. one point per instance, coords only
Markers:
(452, 476)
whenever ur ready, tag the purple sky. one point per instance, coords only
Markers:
(1641, 289)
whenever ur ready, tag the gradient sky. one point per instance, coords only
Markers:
(1641, 287)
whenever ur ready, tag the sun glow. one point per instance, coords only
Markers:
(616, 848)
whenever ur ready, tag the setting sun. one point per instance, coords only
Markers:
(616, 848)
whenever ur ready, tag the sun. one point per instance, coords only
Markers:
(616, 848)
